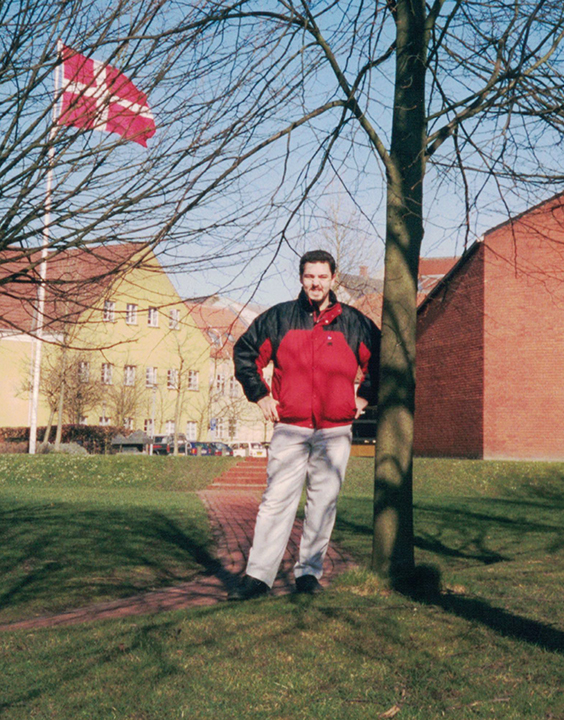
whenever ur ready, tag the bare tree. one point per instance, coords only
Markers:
(123, 401)
(467, 94)
(259, 109)
(344, 232)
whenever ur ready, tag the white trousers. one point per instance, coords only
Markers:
(295, 455)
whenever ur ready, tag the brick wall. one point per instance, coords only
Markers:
(450, 365)
(524, 337)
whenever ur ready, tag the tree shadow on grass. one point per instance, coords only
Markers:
(57, 556)
(425, 586)
(477, 532)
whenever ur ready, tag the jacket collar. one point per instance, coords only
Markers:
(329, 314)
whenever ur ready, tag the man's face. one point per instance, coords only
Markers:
(317, 281)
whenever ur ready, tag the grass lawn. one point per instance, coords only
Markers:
(491, 646)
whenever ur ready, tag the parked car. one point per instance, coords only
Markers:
(222, 448)
(162, 444)
(204, 448)
(247, 448)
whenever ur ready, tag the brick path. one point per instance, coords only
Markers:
(231, 501)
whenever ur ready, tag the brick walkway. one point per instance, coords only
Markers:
(232, 502)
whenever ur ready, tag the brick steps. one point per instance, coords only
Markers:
(250, 472)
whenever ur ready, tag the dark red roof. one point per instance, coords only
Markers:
(76, 278)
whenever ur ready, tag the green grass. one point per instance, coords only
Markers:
(75, 530)
(490, 646)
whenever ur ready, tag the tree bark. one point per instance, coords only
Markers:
(393, 555)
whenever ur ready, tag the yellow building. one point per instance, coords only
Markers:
(118, 344)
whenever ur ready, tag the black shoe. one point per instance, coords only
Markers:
(249, 588)
(308, 584)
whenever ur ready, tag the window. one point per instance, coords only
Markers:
(232, 428)
(128, 423)
(131, 314)
(234, 388)
(106, 376)
(150, 376)
(83, 371)
(220, 383)
(193, 380)
(153, 317)
(172, 379)
(191, 430)
(83, 420)
(129, 375)
(170, 427)
(174, 319)
(149, 427)
(109, 311)
(220, 428)
(104, 420)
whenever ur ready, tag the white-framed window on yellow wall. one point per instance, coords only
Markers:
(174, 318)
(153, 317)
(129, 375)
(109, 311)
(150, 376)
(131, 314)
(106, 373)
(83, 371)
(193, 380)
(191, 430)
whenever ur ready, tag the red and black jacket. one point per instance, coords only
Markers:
(316, 360)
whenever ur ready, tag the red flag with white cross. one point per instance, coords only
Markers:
(97, 96)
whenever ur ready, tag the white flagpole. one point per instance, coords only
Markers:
(38, 338)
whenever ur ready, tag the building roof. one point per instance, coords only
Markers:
(433, 269)
(76, 278)
(220, 324)
(359, 285)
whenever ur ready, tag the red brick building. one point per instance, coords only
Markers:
(490, 347)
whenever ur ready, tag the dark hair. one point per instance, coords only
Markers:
(318, 256)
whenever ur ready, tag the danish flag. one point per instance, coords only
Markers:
(96, 96)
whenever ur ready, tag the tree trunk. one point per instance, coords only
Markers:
(393, 555)
(47, 432)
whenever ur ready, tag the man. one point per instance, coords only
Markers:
(317, 346)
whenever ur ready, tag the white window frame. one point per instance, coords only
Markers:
(83, 371)
(109, 311)
(232, 428)
(106, 373)
(220, 383)
(191, 430)
(153, 317)
(149, 427)
(172, 379)
(131, 314)
(150, 376)
(174, 319)
(170, 427)
(193, 380)
(104, 421)
(129, 372)
(220, 428)
(128, 423)
(234, 387)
